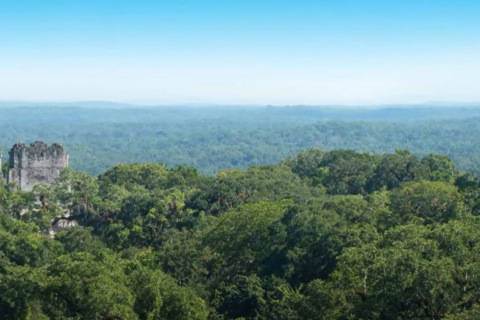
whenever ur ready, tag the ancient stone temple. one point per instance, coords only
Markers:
(35, 164)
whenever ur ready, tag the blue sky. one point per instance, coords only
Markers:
(240, 51)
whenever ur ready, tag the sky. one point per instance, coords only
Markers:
(240, 51)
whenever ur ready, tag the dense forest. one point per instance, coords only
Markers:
(212, 139)
(320, 235)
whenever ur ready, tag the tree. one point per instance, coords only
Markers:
(158, 297)
(395, 169)
(430, 201)
(345, 171)
(81, 285)
(242, 297)
(244, 240)
(306, 163)
(441, 168)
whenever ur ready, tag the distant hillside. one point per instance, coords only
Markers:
(81, 104)
(217, 138)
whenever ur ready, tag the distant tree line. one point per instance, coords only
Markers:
(213, 139)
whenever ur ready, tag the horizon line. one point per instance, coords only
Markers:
(439, 103)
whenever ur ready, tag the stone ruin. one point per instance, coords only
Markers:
(35, 164)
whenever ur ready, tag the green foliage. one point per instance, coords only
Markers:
(240, 298)
(159, 297)
(324, 235)
(395, 169)
(441, 168)
(5, 169)
(214, 139)
(244, 239)
(233, 188)
(427, 200)
(306, 163)
(81, 285)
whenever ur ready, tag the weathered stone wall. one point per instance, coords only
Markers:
(35, 164)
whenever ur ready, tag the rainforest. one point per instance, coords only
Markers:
(320, 235)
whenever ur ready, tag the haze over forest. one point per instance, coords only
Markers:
(240, 160)
(215, 138)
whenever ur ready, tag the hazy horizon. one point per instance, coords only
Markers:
(101, 103)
